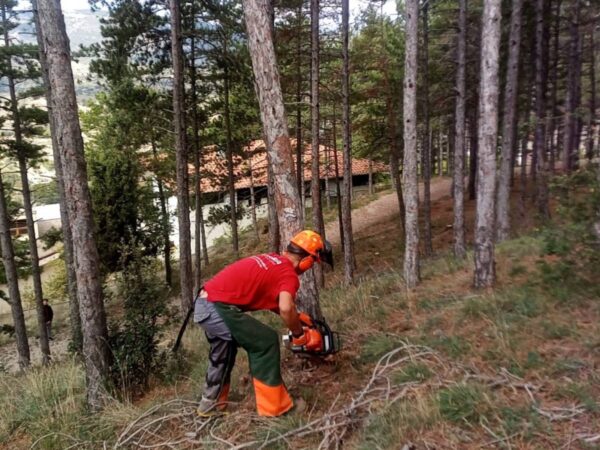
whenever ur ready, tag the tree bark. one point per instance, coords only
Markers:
(327, 166)
(181, 160)
(21, 157)
(317, 209)
(591, 125)
(571, 102)
(426, 155)
(197, 265)
(164, 214)
(63, 107)
(270, 99)
(508, 124)
(458, 174)
(485, 273)
(274, 235)
(299, 149)
(338, 189)
(74, 313)
(394, 154)
(541, 82)
(553, 120)
(349, 258)
(409, 174)
(230, 174)
(10, 269)
(440, 158)
(473, 151)
(252, 199)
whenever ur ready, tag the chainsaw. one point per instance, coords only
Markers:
(321, 340)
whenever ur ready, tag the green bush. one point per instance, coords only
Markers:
(134, 341)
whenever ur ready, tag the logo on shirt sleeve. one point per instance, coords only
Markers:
(260, 262)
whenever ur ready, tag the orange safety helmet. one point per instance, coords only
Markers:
(307, 241)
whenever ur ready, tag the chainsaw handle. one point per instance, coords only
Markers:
(305, 319)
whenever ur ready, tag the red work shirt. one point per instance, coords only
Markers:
(254, 283)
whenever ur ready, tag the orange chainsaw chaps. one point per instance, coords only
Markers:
(223, 397)
(271, 401)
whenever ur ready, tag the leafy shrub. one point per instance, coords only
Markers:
(134, 340)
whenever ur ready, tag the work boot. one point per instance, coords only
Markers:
(207, 407)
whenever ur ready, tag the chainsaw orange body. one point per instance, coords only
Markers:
(319, 339)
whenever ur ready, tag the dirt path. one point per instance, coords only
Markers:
(383, 209)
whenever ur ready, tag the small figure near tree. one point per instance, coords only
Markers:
(266, 282)
(48, 317)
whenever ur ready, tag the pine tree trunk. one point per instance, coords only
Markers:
(164, 215)
(74, 313)
(426, 155)
(10, 269)
(230, 174)
(33, 252)
(270, 99)
(591, 126)
(570, 125)
(485, 273)
(541, 82)
(327, 166)
(299, 149)
(63, 107)
(35, 262)
(508, 124)
(338, 189)
(252, 199)
(349, 258)
(394, 154)
(553, 120)
(371, 191)
(440, 158)
(274, 235)
(458, 174)
(473, 158)
(197, 265)
(317, 209)
(409, 174)
(181, 160)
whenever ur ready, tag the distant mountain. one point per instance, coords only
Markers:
(83, 28)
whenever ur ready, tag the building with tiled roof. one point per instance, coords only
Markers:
(252, 171)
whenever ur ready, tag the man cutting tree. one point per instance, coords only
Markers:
(261, 282)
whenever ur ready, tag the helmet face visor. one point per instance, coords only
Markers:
(326, 254)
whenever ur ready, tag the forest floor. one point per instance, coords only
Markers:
(444, 366)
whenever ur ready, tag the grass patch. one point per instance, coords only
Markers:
(463, 403)
(554, 330)
(453, 346)
(393, 425)
(378, 345)
(418, 372)
(521, 420)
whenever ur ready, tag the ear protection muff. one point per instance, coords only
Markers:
(306, 263)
